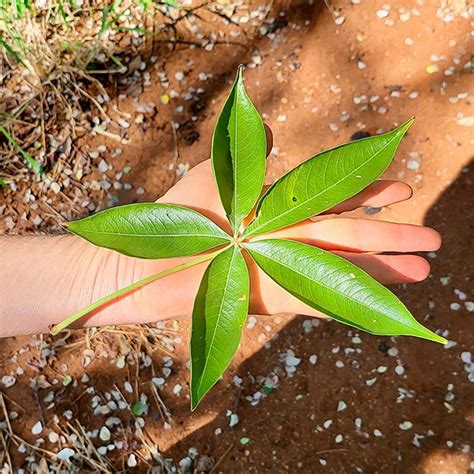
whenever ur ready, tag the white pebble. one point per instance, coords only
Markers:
(399, 370)
(103, 166)
(455, 306)
(313, 359)
(123, 123)
(177, 389)
(406, 425)
(104, 434)
(234, 420)
(393, 352)
(413, 164)
(37, 428)
(65, 454)
(341, 406)
(132, 460)
(8, 381)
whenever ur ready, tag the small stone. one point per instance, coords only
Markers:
(455, 306)
(65, 454)
(281, 118)
(393, 352)
(177, 389)
(341, 406)
(338, 439)
(132, 460)
(37, 428)
(313, 359)
(123, 123)
(158, 381)
(104, 434)
(8, 381)
(399, 370)
(327, 424)
(53, 437)
(382, 13)
(469, 306)
(179, 76)
(103, 166)
(234, 420)
(406, 425)
(413, 164)
(377, 433)
(55, 187)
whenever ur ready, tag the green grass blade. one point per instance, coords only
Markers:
(35, 166)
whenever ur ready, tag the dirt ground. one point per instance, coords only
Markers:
(354, 403)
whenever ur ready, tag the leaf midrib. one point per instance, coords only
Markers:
(332, 290)
(234, 168)
(153, 236)
(279, 216)
(218, 319)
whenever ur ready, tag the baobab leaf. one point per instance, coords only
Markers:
(151, 230)
(219, 314)
(238, 154)
(324, 181)
(337, 288)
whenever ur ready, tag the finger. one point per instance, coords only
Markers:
(269, 298)
(378, 194)
(390, 269)
(363, 235)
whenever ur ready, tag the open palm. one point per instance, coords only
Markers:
(362, 241)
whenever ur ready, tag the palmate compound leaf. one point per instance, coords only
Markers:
(219, 314)
(324, 181)
(336, 287)
(238, 154)
(151, 230)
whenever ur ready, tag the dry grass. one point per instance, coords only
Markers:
(56, 56)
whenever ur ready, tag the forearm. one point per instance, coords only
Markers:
(45, 279)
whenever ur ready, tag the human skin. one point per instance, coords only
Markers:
(44, 279)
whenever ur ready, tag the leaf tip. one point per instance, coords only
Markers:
(195, 400)
(425, 333)
(406, 125)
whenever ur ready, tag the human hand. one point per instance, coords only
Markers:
(70, 273)
(362, 241)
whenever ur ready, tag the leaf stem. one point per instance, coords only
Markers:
(134, 286)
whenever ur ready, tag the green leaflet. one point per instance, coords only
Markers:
(219, 314)
(325, 180)
(336, 287)
(151, 230)
(238, 154)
